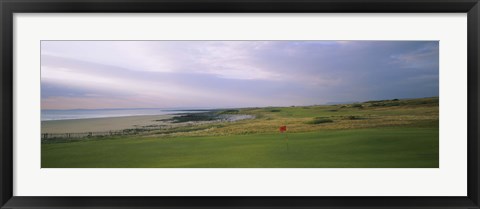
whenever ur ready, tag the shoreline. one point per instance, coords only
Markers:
(103, 117)
(140, 122)
(103, 124)
(82, 116)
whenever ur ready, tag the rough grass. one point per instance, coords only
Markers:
(299, 119)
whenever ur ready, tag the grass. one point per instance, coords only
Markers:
(367, 148)
(380, 134)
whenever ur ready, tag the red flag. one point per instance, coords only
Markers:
(283, 128)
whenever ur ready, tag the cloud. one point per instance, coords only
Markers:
(421, 58)
(108, 74)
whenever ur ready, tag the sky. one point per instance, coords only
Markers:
(225, 74)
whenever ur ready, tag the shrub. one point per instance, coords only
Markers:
(229, 112)
(275, 110)
(319, 120)
(374, 101)
(193, 117)
(393, 104)
(377, 104)
(353, 117)
(357, 105)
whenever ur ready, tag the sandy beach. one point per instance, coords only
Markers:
(133, 122)
(103, 124)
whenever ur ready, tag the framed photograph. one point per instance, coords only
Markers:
(239, 104)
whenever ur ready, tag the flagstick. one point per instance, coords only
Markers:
(286, 137)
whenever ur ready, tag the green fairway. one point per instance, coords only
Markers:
(360, 148)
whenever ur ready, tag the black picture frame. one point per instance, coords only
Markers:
(9, 7)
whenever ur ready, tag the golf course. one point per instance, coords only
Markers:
(394, 133)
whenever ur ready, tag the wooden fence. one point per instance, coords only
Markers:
(132, 131)
(46, 136)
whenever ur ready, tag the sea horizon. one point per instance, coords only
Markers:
(72, 114)
(80, 113)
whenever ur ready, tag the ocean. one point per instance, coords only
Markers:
(107, 113)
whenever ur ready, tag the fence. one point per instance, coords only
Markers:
(133, 131)
(45, 136)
